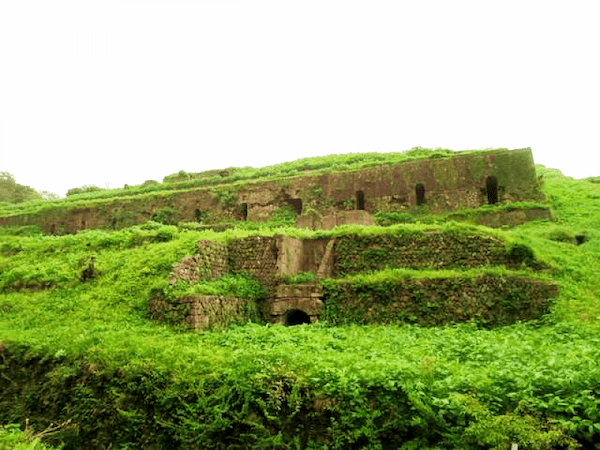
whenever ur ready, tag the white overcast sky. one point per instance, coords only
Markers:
(97, 92)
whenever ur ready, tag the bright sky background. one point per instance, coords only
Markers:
(97, 92)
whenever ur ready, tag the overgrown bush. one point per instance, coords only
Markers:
(519, 254)
(386, 218)
(167, 216)
(300, 278)
(83, 190)
(285, 216)
(560, 235)
(12, 438)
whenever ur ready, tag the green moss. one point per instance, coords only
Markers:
(492, 299)
(477, 168)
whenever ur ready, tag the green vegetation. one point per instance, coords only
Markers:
(12, 438)
(12, 192)
(436, 297)
(86, 352)
(472, 215)
(83, 189)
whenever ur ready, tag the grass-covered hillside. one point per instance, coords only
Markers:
(84, 354)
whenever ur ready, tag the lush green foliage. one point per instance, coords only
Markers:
(166, 216)
(300, 278)
(12, 438)
(83, 190)
(12, 192)
(86, 352)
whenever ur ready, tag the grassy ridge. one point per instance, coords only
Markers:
(87, 352)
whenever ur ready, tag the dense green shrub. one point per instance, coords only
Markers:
(519, 254)
(12, 438)
(83, 190)
(560, 235)
(386, 218)
(285, 216)
(167, 216)
(300, 278)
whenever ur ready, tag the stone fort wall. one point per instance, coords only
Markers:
(462, 181)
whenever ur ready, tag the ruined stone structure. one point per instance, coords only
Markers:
(271, 259)
(296, 304)
(204, 308)
(457, 185)
(322, 200)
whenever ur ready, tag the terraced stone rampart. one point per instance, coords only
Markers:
(462, 181)
(497, 298)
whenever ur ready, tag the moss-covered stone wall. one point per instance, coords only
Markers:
(210, 261)
(452, 183)
(209, 311)
(271, 258)
(449, 183)
(488, 300)
(255, 255)
(367, 253)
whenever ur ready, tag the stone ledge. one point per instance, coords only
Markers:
(311, 306)
(299, 290)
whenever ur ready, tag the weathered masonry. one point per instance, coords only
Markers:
(322, 200)
(270, 259)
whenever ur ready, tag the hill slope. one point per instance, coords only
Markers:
(87, 352)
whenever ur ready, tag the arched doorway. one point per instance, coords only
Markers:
(296, 317)
(296, 204)
(420, 192)
(244, 211)
(491, 187)
(360, 200)
(201, 215)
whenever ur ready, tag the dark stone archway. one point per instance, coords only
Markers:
(296, 317)
(360, 200)
(296, 203)
(491, 187)
(420, 192)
